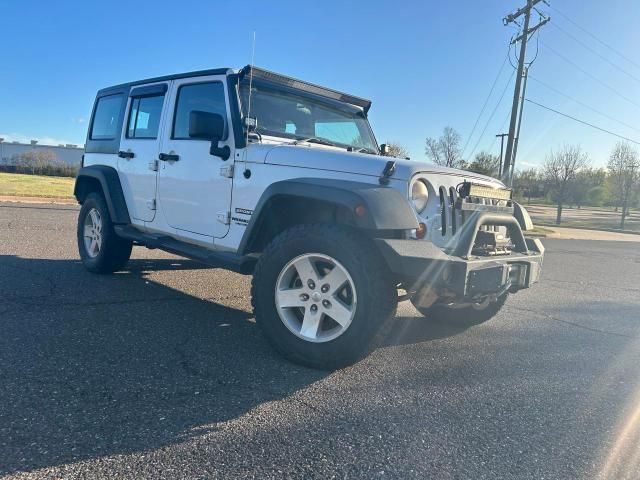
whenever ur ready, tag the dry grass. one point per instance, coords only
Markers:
(19, 185)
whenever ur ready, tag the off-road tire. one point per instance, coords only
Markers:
(376, 293)
(466, 315)
(114, 251)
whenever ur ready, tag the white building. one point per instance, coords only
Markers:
(68, 154)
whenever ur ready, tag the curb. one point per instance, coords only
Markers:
(42, 200)
(610, 230)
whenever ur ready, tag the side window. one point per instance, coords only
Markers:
(144, 117)
(105, 118)
(206, 97)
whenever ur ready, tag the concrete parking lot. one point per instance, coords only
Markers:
(161, 372)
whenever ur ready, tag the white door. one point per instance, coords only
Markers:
(193, 194)
(139, 148)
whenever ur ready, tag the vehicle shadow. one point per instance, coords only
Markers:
(407, 330)
(95, 365)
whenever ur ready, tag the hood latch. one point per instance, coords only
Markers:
(389, 170)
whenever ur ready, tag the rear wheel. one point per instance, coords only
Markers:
(100, 248)
(320, 293)
(471, 314)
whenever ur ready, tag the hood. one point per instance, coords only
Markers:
(321, 158)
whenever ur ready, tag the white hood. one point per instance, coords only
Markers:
(331, 159)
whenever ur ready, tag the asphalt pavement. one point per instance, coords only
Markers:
(160, 372)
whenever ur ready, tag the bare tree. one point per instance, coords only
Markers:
(486, 164)
(624, 172)
(560, 169)
(35, 161)
(397, 150)
(445, 150)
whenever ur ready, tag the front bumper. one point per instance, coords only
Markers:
(459, 275)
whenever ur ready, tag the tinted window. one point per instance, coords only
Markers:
(206, 97)
(144, 117)
(105, 118)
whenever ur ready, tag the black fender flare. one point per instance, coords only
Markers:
(384, 207)
(108, 179)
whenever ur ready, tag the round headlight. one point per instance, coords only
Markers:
(419, 195)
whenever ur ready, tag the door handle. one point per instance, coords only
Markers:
(169, 157)
(123, 154)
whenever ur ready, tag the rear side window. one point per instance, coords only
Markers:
(144, 117)
(105, 118)
(206, 97)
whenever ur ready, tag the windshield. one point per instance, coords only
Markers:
(300, 116)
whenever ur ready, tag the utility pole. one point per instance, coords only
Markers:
(501, 135)
(522, 38)
(515, 144)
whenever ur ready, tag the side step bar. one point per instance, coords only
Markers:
(243, 264)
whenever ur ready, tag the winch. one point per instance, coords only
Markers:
(490, 242)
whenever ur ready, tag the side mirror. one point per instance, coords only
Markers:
(209, 126)
(385, 150)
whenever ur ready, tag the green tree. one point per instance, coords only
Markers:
(486, 164)
(527, 182)
(586, 179)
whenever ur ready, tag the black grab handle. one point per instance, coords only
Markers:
(169, 157)
(123, 154)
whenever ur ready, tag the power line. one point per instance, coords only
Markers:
(492, 114)
(583, 122)
(594, 36)
(493, 86)
(583, 104)
(596, 79)
(598, 54)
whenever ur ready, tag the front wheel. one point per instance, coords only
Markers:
(471, 314)
(320, 293)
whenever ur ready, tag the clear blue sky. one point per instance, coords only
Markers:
(425, 64)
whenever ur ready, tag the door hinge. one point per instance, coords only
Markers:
(153, 165)
(226, 171)
(224, 218)
(151, 204)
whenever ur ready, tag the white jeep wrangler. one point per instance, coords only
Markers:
(267, 175)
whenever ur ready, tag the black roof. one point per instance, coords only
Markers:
(197, 73)
(258, 74)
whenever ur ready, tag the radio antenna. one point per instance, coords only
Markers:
(247, 121)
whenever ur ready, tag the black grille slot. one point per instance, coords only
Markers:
(443, 209)
(452, 209)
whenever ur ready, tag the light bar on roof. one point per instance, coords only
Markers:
(277, 78)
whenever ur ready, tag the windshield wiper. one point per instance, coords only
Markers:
(313, 140)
